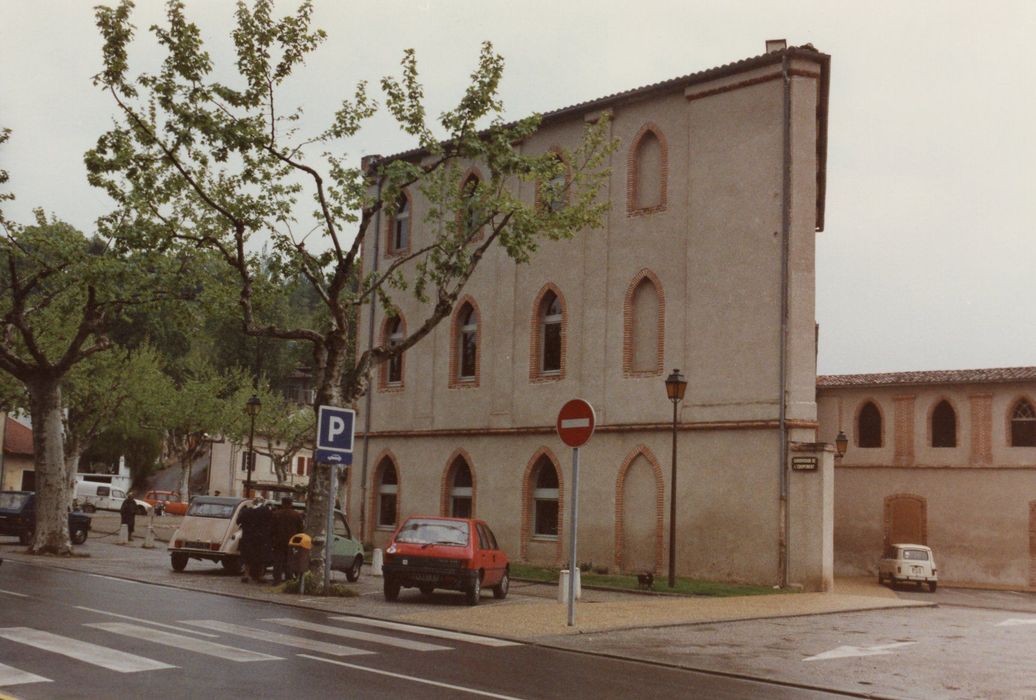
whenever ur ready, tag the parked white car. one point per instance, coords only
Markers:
(92, 496)
(903, 563)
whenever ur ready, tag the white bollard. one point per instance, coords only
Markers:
(149, 538)
(563, 586)
(376, 562)
(123, 534)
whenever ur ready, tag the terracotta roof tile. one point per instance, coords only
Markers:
(950, 376)
(17, 438)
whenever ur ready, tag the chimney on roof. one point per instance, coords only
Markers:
(775, 45)
(367, 161)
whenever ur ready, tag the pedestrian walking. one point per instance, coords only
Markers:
(128, 513)
(256, 540)
(286, 522)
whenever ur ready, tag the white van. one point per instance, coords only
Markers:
(92, 496)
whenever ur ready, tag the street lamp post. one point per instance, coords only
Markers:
(841, 444)
(252, 407)
(675, 386)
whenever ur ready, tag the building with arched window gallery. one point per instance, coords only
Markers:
(705, 263)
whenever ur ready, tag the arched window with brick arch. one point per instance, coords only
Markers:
(386, 494)
(464, 352)
(944, 425)
(399, 224)
(393, 331)
(458, 488)
(470, 214)
(906, 519)
(547, 350)
(868, 426)
(553, 195)
(643, 327)
(647, 172)
(545, 505)
(1023, 424)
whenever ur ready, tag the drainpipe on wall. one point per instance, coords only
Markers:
(784, 524)
(370, 346)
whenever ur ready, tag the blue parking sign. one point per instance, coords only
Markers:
(336, 428)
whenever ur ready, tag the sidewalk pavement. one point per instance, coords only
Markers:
(529, 614)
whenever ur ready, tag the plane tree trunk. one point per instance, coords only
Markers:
(53, 492)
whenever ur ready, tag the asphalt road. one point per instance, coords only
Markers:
(77, 635)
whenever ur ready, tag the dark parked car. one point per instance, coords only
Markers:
(18, 517)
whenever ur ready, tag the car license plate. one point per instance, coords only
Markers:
(426, 577)
(918, 570)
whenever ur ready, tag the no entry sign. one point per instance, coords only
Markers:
(576, 422)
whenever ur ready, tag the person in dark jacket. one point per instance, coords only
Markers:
(128, 513)
(286, 522)
(256, 540)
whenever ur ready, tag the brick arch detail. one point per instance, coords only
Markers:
(391, 225)
(620, 494)
(383, 384)
(535, 373)
(887, 517)
(527, 504)
(956, 419)
(1009, 414)
(560, 154)
(856, 420)
(372, 509)
(627, 325)
(633, 165)
(454, 382)
(473, 170)
(447, 480)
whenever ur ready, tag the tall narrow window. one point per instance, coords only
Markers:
(642, 344)
(395, 363)
(647, 173)
(553, 195)
(388, 493)
(944, 425)
(1023, 425)
(550, 334)
(399, 226)
(471, 214)
(868, 426)
(545, 499)
(460, 489)
(467, 343)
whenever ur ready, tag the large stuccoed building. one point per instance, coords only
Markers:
(705, 263)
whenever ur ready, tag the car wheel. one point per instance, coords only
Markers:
(89, 508)
(391, 589)
(25, 538)
(352, 575)
(474, 591)
(931, 586)
(232, 565)
(141, 510)
(178, 560)
(79, 535)
(426, 589)
(500, 589)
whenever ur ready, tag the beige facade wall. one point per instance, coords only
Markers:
(977, 498)
(227, 476)
(713, 249)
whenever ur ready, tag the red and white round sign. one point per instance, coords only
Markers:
(576, 421)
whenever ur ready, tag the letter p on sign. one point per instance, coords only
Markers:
(335, 429)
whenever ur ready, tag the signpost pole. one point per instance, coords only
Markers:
(329, 536)
(573, 564)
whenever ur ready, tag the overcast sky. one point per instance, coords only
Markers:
(926, 261)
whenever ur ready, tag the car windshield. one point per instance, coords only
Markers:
(211, 510)
(915, 554)
(427, 531)
(13, 501)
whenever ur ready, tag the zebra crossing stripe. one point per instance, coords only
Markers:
(146, 622)
(111, 659)
(428, 631)
(181, 641)
(357, 634)
(9, 675)
(276, 638)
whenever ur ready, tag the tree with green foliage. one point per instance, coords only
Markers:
(195, 161)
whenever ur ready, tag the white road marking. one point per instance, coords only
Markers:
(147, 622)
(1013, 621)
(575, 423)
(120, 580)
(428, 631)
(9, 675)
(18, 595)
(356, 634)
(277, 638)
(437, 684)
(180, 641)
(95, 654)
(846, 652)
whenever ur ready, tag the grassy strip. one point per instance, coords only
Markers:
(684, 586)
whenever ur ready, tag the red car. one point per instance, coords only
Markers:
(166, 501)
(460, 554)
